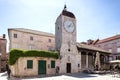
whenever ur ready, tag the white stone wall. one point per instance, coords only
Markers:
(68, 42)
(58, 31)
(39, 42)
(20, 67)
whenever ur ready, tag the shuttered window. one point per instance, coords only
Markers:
(15, 35)
(29, 64)
(118, 49)
(52, 64)
(31, 38)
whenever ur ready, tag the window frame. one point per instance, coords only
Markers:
(15, 35)
(29, 64)
(49, 49)
(52, 63)
(15, 46)
(0, 49)
(49, 40)
(110, 49)
(31, 38)
(118, 49)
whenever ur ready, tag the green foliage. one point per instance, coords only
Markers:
(15, 54)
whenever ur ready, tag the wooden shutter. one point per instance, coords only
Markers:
(29, 64)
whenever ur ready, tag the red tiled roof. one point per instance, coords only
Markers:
(67, 13)
(109, 39)
(91, 47)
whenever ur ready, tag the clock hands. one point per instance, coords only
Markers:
(69, 25)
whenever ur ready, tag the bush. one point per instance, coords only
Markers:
(15, 54)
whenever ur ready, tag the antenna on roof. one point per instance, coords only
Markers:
(65, 7)
(98, 36)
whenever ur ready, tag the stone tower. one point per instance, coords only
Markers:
(65, 40)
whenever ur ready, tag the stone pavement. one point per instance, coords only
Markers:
(75, 76)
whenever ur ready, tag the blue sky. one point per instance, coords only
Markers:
(95, 18)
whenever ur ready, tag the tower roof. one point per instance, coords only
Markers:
(67, 13)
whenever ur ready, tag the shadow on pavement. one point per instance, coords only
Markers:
(81, 75)
(76, 75)
(30, 77)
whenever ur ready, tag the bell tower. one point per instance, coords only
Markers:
(65, 29)
(65, 41)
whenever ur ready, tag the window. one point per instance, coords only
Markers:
(110, 58)
(49, 40)
(106, 45)
(0, 49)
(110, 50)
(31, 47)
(52, 64)
(117, 57)
(15, 46)
(68, 49)
(29, 64)
(118, 49)
(49, 49)
(31, 38)
(99, 45)
(15, 35)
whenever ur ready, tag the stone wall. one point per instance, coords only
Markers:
(20, 67)
(3, 58)
(39, 42)
(111, 46)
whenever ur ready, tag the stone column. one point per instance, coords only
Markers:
(86, 59)
(0, 63)
(93, 60)
(106, 58)
(80, 60)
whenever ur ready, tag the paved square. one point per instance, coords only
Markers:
(75, 76)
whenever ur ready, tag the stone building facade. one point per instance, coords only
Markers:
(33, 66)
(73, 57)
(90, 56)
(111, 44)
(27, 39)
(3, 43)
(65, 38)
(76, 57)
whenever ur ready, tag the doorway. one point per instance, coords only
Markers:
(41, 67)
(68, 67)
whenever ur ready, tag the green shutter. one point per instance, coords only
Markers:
(52, 64)
(29, 64)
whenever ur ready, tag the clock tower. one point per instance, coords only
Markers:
(65, 41)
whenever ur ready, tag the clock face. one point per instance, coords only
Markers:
(69, 26)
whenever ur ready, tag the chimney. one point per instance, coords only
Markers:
(89, 42)
(3, 35)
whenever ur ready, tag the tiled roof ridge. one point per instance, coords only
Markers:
(33, 31)
(109, 38)
(92, 47)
